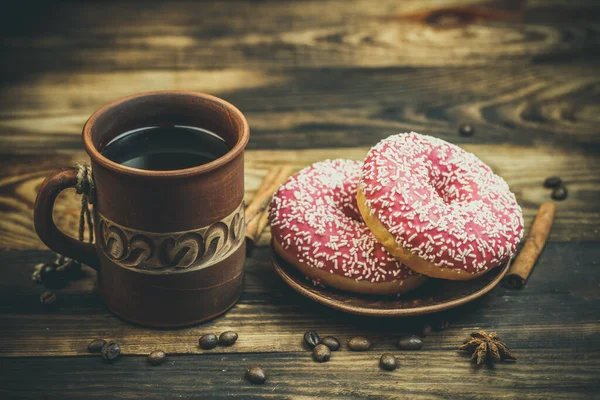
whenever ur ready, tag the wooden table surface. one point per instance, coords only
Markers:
(316, 79)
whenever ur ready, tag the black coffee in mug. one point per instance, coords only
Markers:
(164, 148)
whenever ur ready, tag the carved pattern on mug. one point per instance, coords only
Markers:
(183, 252)
(165, 253)
(115, 242)
(141, 250)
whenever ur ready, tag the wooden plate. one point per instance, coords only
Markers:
(433, 296)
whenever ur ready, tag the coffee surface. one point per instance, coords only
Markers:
(165, 148)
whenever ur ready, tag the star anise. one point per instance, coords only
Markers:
(485, 346)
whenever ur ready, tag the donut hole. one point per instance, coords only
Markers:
(348, 204)
(442, 176)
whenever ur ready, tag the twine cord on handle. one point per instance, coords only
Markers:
(86, 187)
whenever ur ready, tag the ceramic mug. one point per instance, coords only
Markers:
(170, 245)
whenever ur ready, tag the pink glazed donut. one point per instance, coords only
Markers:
(437, 208)
(316, 227)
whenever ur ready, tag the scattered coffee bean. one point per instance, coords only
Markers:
(412, 342)
(440, 325)
(72, 270)
(560, 193)
(312, 338)
(110, 351)
(466, 130)
(552, 182)
(321, 353)
(331, 342)
(208, 341)
(228, 338)
(96, 345)
(426, 331)
(388, 361)
(52, 277)
(157, 357)
(359, 343)
(48, 298)
(256, 375)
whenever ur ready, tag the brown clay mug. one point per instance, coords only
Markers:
(170, 245)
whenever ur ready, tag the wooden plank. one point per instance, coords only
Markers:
(339, 107)
(183, 35)
(427, 374)
(555, 310)
(523, 167)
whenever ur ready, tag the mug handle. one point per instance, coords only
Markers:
(56, 240)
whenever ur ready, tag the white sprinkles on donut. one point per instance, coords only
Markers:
(441, 202)
(314, 217)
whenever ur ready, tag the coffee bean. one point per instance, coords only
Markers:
(560, 193)
(412, 342)
(312, 338)
(466, 130)
(426, 331)
(228, 338)
(359, 343)
(96, 345)
(48, 298)
(331, 342)
(552, 182)
(52, 277)
(256, 375)
(110, 351)
(208, 341)
(388, 361)
(157, 357)
(321, 353)
(72, 270)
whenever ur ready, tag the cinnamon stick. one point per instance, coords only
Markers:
(253, 208)
(534, 244)
(257, 220)
(263, 222)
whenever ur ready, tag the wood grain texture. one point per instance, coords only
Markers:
(335, 107)
(101, 36)
(314, 74)
(558, 305)
(428, 374)
(523, 167)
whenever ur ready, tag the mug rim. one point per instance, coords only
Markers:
(97, 157)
